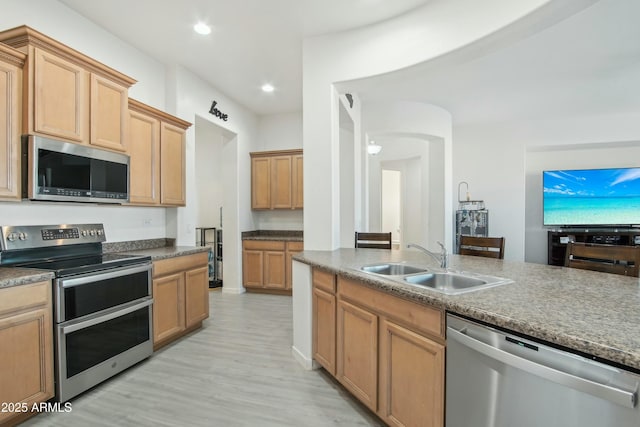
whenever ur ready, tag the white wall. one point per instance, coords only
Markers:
(496, 159)
(193, 99)
(209, 180)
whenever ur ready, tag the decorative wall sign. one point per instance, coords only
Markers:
(219, 114)
(350, 99)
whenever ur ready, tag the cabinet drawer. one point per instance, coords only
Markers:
(418, 317)
(264, 245)
(295, 246)
(180, 263)
(24, 296)
(324, 280)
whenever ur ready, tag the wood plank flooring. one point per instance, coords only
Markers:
(236, 371)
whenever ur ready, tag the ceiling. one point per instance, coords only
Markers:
(252, 41)
(587, 64)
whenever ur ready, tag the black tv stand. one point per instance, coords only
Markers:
(558, 238)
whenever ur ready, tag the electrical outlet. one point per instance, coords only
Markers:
(146, 221)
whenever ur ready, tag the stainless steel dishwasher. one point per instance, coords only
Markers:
(499, 379)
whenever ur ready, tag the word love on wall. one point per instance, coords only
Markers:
(219, 114)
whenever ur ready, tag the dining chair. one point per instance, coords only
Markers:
(373, 240)
(616, 259)
(488, 247)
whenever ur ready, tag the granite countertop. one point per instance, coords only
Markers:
(168, 251)
(591, 312)
(286, 235)
(10, 276)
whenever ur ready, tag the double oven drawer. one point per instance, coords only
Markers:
(103, 326)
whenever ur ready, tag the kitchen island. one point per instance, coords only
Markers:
(589, 312)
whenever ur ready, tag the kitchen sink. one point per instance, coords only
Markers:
(393, 269)
(452, 283)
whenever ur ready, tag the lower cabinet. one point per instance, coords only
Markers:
(324, 320)
(389, 352)
(266, 264)
(26, 349)
(180, 296)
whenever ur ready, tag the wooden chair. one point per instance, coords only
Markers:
(616, 259)
(373, 240)
(489, 247)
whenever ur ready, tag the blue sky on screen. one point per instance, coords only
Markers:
(592, 183)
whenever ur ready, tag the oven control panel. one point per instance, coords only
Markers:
(38, 236)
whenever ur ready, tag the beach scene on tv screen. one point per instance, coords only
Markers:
(592, 197)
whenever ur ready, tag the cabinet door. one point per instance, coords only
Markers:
(196, 295)
(10, 98)
(26, 358)
(144, 162)
(61, 98)
(357, 352)
(261, 183)
(324, 329)
(108, 114)
(168, 306)
(252, 268)
(172, 165)
(281, 194)
(274, 269)
(297, 182)
(411, 378)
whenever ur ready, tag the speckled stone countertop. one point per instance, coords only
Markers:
(10, 276)
(168, 251)
(286, 235)
(594, 313)
(157, 249)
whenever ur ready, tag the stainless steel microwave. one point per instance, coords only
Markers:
(61, 171)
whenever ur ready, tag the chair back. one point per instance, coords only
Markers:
(489, 247)
(373, 240)
(616, 259)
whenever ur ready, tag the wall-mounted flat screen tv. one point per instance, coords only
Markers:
(593, 197)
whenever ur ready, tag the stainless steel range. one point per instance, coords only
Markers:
(102, 302)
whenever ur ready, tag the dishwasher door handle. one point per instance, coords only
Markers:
(613, 394)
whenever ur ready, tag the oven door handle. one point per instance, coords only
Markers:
(106, 317)
(111, 274)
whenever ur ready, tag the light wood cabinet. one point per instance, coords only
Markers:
(70, 95)
(263, 264)
(411, 377)
(276, 180)
(180, 296)
(172, 165)
(266, 264)
(26, 353)
(157, 150)
(389, 352)
(11, 64)
(324, 319)
(357, 352)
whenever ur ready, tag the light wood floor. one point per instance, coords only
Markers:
(236, 371)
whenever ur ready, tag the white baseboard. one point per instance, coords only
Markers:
(306, 363)
(236, 291)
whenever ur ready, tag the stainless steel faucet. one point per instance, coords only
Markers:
(442, 258)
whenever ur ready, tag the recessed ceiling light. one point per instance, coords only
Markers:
(267, 87)
(202, 28)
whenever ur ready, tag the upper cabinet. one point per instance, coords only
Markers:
(276, 180)
(11, 64)
(157, 156)
(69, 95)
